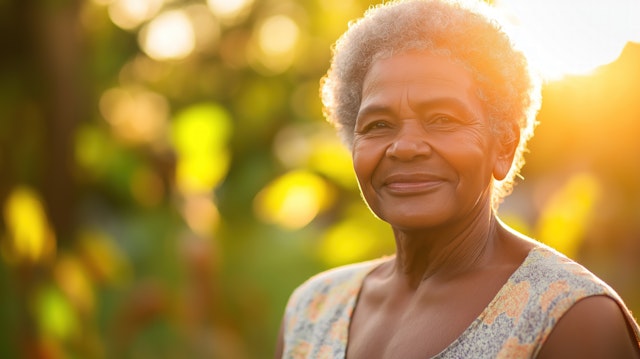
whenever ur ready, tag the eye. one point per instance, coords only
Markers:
(375, 125)
(443, 120)
(378, 124)
(447, 122)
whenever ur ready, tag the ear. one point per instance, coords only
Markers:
(507, 145)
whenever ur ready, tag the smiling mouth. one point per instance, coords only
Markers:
(412, 184)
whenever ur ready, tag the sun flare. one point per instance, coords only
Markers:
(567, 37)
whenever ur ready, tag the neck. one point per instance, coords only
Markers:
(443, 253)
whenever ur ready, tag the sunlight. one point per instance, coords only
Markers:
(275, 42)
(357, 237)
(229, 9)
(565, 37)
(206, 28)
(74, 281)
(170, 36)
(278, 35)
(30, 236)
(566, 216)
(201, 214)
(347, 242)
(136, 116)
(331, 158)
(316, 147)
(293, 200)
(200, 134)
(129, 14)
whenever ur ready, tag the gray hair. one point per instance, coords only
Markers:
(465, 31)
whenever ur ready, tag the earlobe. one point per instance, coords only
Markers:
(508, 143)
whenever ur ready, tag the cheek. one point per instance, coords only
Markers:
(362, 163)
(366, 156)
(468, 145)
(471, 157)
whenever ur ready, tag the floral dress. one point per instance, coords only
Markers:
(515, 324)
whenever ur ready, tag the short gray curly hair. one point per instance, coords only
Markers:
(466, 31)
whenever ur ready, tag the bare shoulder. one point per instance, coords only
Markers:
(594, 327)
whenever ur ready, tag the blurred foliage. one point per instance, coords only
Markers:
(167, 178)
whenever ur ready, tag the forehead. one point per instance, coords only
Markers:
(419, 68)
(419, 80)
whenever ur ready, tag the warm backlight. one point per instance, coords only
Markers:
(573, 37)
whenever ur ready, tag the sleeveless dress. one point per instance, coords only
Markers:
(515, 324)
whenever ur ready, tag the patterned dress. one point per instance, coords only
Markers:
(515, 324)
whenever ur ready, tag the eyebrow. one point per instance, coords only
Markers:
(384, 109)
(374, 109)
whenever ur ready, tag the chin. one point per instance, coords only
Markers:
(416, 221)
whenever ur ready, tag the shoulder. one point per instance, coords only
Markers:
(317, 314)
(594, 327)
(558, 283)
(553, 275)
(581, 309)
(342, 281)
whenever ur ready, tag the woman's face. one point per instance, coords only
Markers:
(423, 151)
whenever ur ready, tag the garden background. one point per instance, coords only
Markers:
(167, 178)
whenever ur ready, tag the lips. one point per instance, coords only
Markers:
(411, 183)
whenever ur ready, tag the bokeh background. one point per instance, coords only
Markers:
(167, 178)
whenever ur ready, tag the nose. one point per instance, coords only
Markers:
(409, 143)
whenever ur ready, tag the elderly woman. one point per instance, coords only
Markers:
(437, 105)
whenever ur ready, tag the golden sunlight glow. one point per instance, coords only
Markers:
(566, 215)
(565, 37)
(135, 115)
(72, 278)
(201, 214)
(292, 145)
(170, 36)
(274, 44)
(129, 14)
(359, 236)
(200, 134)
(278, 35)
(229, 9)
(331, 158)
(316, 147)
(30, 238)
(347, 242)
(293, 200)
(206, 28)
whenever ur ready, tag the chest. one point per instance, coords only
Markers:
(419, 326)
